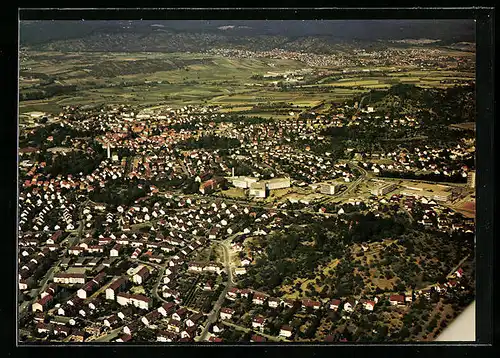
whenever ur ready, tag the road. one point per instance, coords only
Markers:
(161, 269)
(78, 236)
(355, 184)
(457, 266)
(214, 314)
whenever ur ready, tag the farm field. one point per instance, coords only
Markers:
(179, 79)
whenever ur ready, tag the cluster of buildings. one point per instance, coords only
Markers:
(439, 161)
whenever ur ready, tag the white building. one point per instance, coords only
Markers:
(139, 301)
(383, 189)
(258, 190)
(240, 271)
(69, 278)
(278, 183)
(243, 182)
(329, 189)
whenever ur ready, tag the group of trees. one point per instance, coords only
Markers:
(74, 162)
(304, 248)
(456, 178)
(119, 192)
(47, 91)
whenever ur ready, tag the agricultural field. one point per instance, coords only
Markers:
(51, 80)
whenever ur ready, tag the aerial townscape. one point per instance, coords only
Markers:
(245, 181)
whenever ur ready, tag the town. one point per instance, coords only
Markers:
(350, 220)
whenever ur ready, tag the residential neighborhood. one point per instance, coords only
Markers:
(278, 218)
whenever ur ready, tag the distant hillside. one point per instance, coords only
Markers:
(194, 35)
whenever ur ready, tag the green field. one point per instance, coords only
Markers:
(178, 79)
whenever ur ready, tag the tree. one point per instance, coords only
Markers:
(404, 333)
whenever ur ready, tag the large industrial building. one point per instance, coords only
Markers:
(258, 189)
(242, 181)
(383, 189)
(277, 183)
(435, 192)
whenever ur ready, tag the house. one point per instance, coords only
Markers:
(42, 304)
(257, 338)
(240, 271)
(194, 319)
(334, 304)
(166, 308)
(69, 278)
(180, 314)
(368, 305)
(350, 304)
(213, 267)
(232, 293)
(209, 286)
(310, 303)
(139, 301)
(43, 328)
(170, 270)
(459, 273)
(274, 302)
(288, 303)
(116, 250)
(245, 292)
(217, 328)
(141, 276)
(226, 313)
(195, 266)
(111, 321)
(258, 322)
(150, 318)
(246, 261)
(131, 327)
(174, 325)
(39, 317)
(189, 332)
(23, 285)
(119, 285)
(259, 298)
(167, 292)
(286, 331)
(166, 336)
(61, 330)
(124, 338)
(397, 300)
(213, 233)
(76, 250)
(86, 290)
